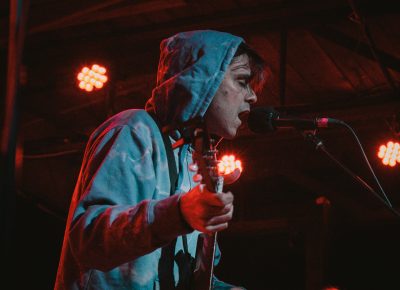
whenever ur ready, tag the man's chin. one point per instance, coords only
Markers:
(230, 135)
(226, 134)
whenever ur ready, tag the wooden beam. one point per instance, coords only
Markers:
(350, 43)
(74, 18)
(97, 12)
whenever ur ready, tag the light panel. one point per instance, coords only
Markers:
(228, 164)
(92, 78)
(390, 153)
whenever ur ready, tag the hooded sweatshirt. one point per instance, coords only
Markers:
(122, 213)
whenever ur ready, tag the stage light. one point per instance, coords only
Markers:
(390, 153)
(228, 163)
(92, 78)
(230, 168)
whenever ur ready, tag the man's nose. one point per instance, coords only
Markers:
(251, 96)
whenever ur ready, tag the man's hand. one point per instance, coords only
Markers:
(207, 211)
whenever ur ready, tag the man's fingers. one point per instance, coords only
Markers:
(216, 228)
(220, 222)
(207, 211)
(226, 197)
(214, 211)
(220, 219)
(227, 208)
(218, 199)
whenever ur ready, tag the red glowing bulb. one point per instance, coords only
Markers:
(90, 79)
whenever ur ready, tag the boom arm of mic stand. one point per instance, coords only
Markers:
(319, 145)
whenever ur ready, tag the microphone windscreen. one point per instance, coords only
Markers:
(261, 119)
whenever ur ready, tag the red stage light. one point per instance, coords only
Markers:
(228, 164)
(93, 78)
(390, 153)
(230, 168)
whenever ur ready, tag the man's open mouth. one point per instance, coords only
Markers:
(243, 116)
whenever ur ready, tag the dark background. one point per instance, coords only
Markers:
(335, 58)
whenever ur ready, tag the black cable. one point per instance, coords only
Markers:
(320, 145)
(368, 164)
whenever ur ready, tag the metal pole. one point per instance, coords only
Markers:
(9, 133)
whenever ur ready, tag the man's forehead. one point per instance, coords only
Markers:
(240, 63)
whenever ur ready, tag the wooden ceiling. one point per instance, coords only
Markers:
(328, 58)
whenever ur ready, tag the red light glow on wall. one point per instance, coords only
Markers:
(92, 78)
(389, 153)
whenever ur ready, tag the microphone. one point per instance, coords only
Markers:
(266, 119)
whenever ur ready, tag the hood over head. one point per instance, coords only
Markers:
(191, 68)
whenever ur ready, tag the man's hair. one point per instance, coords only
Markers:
(259, 70)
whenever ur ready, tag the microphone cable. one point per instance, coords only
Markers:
(368, 163)
(320, 145)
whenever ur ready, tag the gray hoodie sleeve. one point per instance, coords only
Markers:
(118, 216)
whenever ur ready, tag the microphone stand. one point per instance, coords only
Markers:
(319, 145)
